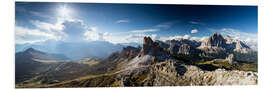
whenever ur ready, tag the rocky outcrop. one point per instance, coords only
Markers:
(150, 53)
(150, 47)
(214, 46)
(183, 47)
(171, 73)
(196, 76)
(216, 40)
(186, 49)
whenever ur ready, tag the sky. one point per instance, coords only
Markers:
(129, 23)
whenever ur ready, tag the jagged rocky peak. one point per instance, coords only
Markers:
(149, 45)
(147, 41)
(151, 52)
(215, 40)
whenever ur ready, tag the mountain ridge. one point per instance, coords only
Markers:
(157, 63)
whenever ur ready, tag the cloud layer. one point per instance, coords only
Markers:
(194, 31)
(122, 21)
(146, 30)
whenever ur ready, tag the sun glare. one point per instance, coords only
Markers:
(64, 11)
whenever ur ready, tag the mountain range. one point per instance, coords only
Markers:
(74, 50)
(216, 61)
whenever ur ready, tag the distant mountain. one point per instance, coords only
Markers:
(35, 54)
(217, 46)
(74, 51)
(33, 66)
(217, 41)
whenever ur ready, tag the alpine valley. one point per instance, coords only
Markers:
(218, 60)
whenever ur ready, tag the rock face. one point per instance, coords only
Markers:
(148, 44)
(186, 49)
(213, 46)
(150, 53)
(216, 40)
(150, 47)
(217, 46)
(183, 49)
(226, 43)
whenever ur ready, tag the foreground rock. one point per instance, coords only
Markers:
(167, 73)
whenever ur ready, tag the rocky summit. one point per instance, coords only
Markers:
(216, 61)
(216, 40)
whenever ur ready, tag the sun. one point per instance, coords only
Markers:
(64, 11)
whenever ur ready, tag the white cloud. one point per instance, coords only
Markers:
(146, 30)
(66, 29)
(106, 36)
(58, 25)
(199, 38)
(94, 35)
(165, 25)
(21, 31)
(26, 35)
(122, 21)
(194, 31)
(39, 14)
(48, 26)
(91, 35)
(154, 36)
(93, 28)
(176, 37)
(186, 36)
(134, 38)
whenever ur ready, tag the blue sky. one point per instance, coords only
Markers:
(127, 23)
